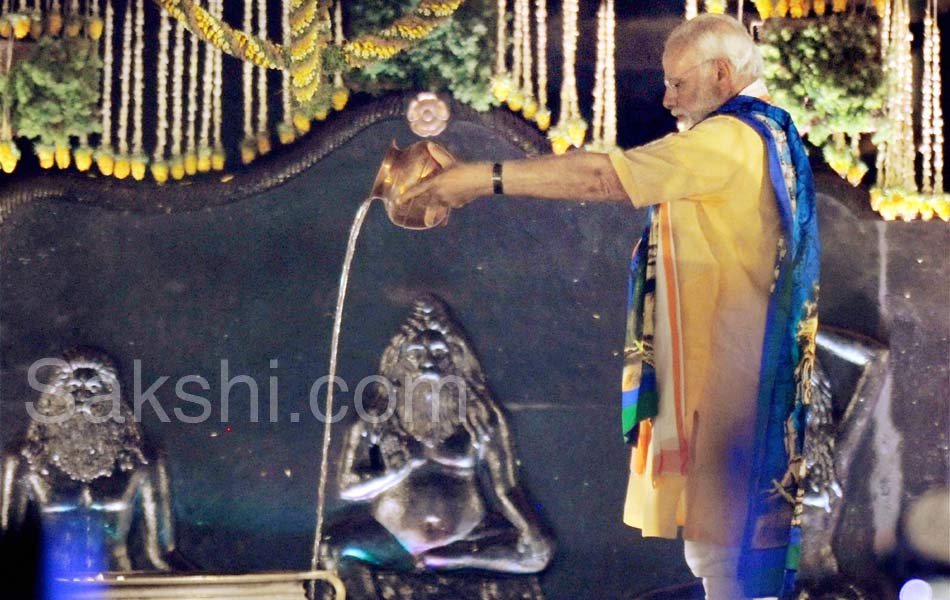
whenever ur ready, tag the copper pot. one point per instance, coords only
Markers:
(400, 170)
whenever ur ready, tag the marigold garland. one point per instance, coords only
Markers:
(310, 29)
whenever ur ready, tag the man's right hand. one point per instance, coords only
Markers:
(454, 187)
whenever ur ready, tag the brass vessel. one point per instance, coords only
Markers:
(400, 170)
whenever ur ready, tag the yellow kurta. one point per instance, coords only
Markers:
(725, 229)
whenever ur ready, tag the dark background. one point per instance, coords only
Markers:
(539, 286)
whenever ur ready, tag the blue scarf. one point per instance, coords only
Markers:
(772, 539)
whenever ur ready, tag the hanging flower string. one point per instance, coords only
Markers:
(248, 145)
(217, 155)
(515, 98)
(177, 163)
(262, 135)
(610, 80)
(159, 165)
(931, 147)
(310, 36)
(207, 91)
(105, 160)
(501, 80)
(571, 127)
(796, 9)
(9, 153)
(543, 116)
(83, 154)
(139, 160)
(604, 127)
(341, 94)
(597, 123)
(530, 108)
(896, 194)
(285, 130)
(191, 130)
(94, 24)
(122, 164)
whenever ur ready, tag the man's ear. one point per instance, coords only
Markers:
(724, 71)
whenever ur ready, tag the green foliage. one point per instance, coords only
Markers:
(827, 73)
(457, 56)
(55, 93)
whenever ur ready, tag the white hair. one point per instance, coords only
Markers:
(718, 36)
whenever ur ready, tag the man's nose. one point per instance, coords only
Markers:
(669, 99)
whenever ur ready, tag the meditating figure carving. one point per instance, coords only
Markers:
(432, 463)
(101, 498)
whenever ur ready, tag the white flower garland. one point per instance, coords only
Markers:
(597, 125)
(207, 91)
(610, 79)
(541, 18)
(106, 139)
(124, 78)
(338, 39)
(248, 77)
(218, 11)
(931, 147)
(139, 82)
(262, 115)
(191, 132)
(286, 98)
(526, 67)
(178, 73)
(161, 116)
(501, 47)
(517, 47)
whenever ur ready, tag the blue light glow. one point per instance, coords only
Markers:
(916, 589)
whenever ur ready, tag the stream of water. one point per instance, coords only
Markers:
(334, 344)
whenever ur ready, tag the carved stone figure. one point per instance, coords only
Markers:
(85, 472)
(429, 473)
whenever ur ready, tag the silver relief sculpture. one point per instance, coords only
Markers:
(428, 476)
(84, 471)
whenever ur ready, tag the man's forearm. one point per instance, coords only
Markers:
(583, 176)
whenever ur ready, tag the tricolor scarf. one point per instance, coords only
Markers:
(772, 538)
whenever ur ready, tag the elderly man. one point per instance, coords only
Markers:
(721, 317)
